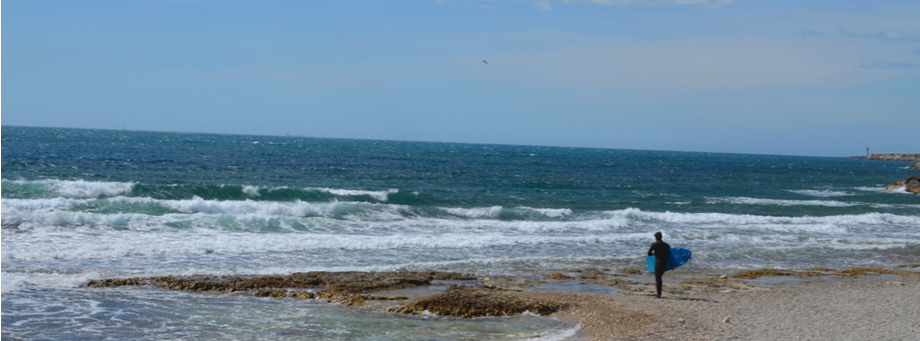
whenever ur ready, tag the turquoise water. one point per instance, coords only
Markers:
(86, 204)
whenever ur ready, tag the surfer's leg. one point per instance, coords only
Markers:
(660, 268)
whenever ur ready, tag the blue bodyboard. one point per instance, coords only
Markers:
(677, 256)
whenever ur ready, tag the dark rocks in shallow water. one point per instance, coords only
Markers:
(343, 286)
(468, 302)
(912, 184)
(632, 272)
(304, 295)
(268, 293)
(102, 283)
(367, 282)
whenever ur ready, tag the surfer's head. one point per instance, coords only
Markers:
(658, 236)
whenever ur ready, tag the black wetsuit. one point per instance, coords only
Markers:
(660, 250)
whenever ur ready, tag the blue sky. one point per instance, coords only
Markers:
(826, 78)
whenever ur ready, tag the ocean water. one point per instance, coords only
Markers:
(89, 204)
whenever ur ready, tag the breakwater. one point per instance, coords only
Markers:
(893, 157)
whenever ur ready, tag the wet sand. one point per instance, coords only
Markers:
(873, 309)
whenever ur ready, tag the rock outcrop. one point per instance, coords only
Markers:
(914, 166)
(912, 184)
(893, 157)
(343, 287)
(467, 302)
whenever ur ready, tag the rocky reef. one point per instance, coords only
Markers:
(893, 157)
(914, 166)
(911, 184)
(474, 301)
(466, 296)
(342, 287)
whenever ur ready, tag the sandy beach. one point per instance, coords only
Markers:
(874, 309)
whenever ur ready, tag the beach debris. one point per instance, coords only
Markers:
(723, 277)
(727, 320)
(476, 301)
(681, 320)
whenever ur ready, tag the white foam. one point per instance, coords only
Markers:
(897, 190)
(496, 211)
(781, 202)
(82, 189)
(561, 334)
(479, 212)
(747, 219)
(23, 206)
(71, 245)
(296, 208)
(379, 195)
(251, 190)
(14, 281)
(551, 212)
(823, 193)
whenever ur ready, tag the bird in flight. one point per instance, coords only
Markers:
(484, 61)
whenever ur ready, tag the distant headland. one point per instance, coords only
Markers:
(892, 157)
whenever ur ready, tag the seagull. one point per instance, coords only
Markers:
(484, 61)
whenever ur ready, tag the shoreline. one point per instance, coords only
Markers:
(871, 309)
(853, 303)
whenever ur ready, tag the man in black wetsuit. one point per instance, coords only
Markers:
(660, 250)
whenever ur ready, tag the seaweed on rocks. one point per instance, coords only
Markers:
(754, 274)
(631, 271)
(860, 272)
(340, 283)
(476, 301)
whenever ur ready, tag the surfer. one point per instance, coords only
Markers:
(660, 250)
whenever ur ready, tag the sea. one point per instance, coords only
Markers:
(79, 205)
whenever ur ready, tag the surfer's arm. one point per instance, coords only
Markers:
(651, 250)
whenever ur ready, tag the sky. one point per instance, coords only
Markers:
(810, 77)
